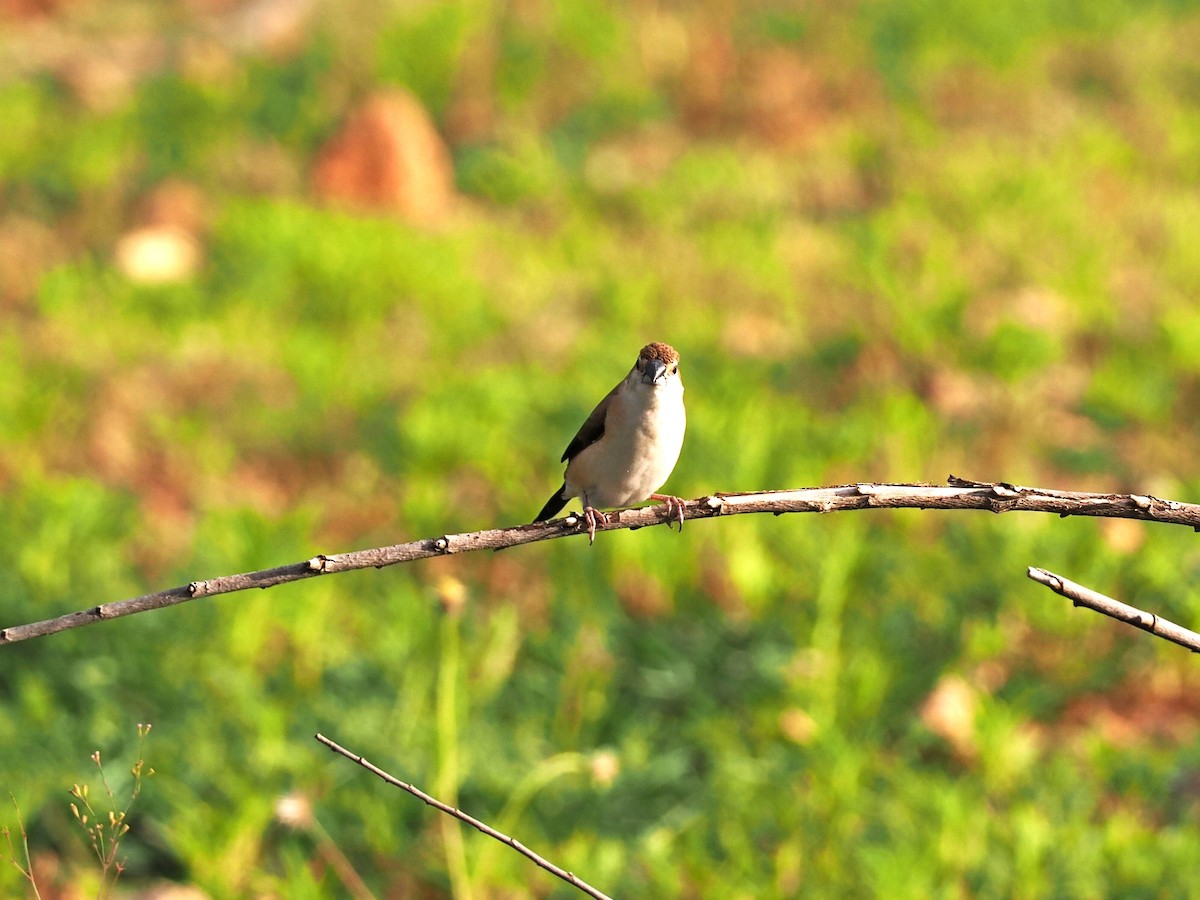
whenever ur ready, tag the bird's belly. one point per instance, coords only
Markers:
(620, 470)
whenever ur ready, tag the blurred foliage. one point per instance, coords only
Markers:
(892, 241)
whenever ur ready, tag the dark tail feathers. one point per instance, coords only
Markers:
(553, 505)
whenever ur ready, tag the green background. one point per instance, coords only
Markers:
(891, 240)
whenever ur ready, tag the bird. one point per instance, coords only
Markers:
(627, 448)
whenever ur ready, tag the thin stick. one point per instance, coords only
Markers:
(958, 494)
(569, 877)
(1130, 615)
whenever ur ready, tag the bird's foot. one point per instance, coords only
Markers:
(593, 517)
(674, 506)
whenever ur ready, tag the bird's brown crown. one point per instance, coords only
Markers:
(663, 352)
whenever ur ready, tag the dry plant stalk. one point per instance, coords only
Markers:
(105, 831)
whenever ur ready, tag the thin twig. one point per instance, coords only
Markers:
(1130, 615)
(958, 494)
(569, 877)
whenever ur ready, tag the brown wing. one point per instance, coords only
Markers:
(593, 427)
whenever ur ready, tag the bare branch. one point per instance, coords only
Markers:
(569, 877)
(958, 494)
(1130, 615)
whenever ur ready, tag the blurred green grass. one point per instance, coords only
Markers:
(962, 241)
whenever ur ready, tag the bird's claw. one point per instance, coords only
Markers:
(593, 517)
(674, 506)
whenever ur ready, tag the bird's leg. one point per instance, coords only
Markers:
(674, 506)
(593, 517)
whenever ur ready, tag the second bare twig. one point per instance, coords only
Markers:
(1130, 615)
(569, 877)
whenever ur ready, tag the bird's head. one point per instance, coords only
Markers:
(657, 363)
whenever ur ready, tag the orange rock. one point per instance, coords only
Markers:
(28, 9)
(388, 157)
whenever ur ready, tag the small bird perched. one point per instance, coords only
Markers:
(628, 446)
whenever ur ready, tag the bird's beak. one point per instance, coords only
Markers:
(656, 371)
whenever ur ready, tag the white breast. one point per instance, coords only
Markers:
(643, 434)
